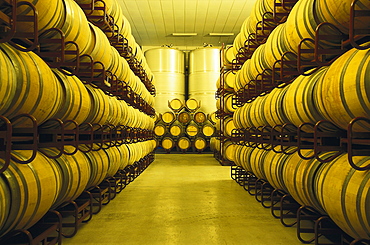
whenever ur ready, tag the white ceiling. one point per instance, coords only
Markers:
(153, 21)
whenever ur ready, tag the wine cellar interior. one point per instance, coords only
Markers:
(185, 122)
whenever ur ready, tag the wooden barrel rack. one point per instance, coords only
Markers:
(46, 231)
(107, 24)
(65, 220)
(34, 41)
(312, 226)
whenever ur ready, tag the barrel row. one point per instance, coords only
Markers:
(177, 129)
(31, 87)
(184, 136)
(90, 41)
(89, 38)
(191, 105)
(183, 144)
(184, 126)
(114, 11)
(225, 148)
(301, 23)
(331, 188)
(337, 93)
(185, 117)
(28, 191)
(260, 22)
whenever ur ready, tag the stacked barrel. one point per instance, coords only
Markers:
(184, 128)
(334, 91)
(221, 144)
(55, 99)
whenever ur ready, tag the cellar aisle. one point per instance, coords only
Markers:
(184, 199)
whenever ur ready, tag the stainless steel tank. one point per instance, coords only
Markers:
(168, 68)
(204, 71)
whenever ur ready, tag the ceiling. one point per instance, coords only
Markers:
(154, 21)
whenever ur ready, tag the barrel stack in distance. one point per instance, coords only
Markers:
(183, 128)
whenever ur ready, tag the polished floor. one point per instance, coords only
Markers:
(185, 199)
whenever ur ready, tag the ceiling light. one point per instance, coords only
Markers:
(184, 34)
(219, 34)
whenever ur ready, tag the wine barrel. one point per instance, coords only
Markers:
(108, 4)
(208, 129)
(274, 168)
(261, 9)
(167, 143)
(192, 129)
(133, 121)
(228, 126)
(99, 112)
(276, 45)
(176, 129)
(301, 94)
(34, 189)
(230, 77)
(99, 165)
(339, 14)
(124, 107)
(125, 155)
(133, 153)
(125, 74)
(176, 105)
(100, 47)
(245, 155)
(212, 117)
(299, 177)
(254, 114)
(257, 64)
(200, 117)
(115, 111)
(344, 194)
(75, 173)
(241, 79)
(116, 66)
(200, 143)
(228, 103)
(8, 82)
(50, 14)
(257, 161)
(38, 91)
(237, 117)
(160, 130)
(238, 155)
(228, 150)
(192, 105)
(229, 55)
(5, 202)
(74, 26)
(168, 117)
(76, 104)
(346, 82)
(273, 108)
(114, 158)
(184, 117)
(302, 23)
(184, 143)
(238, 43)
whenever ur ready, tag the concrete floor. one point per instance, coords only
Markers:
(184, 199)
